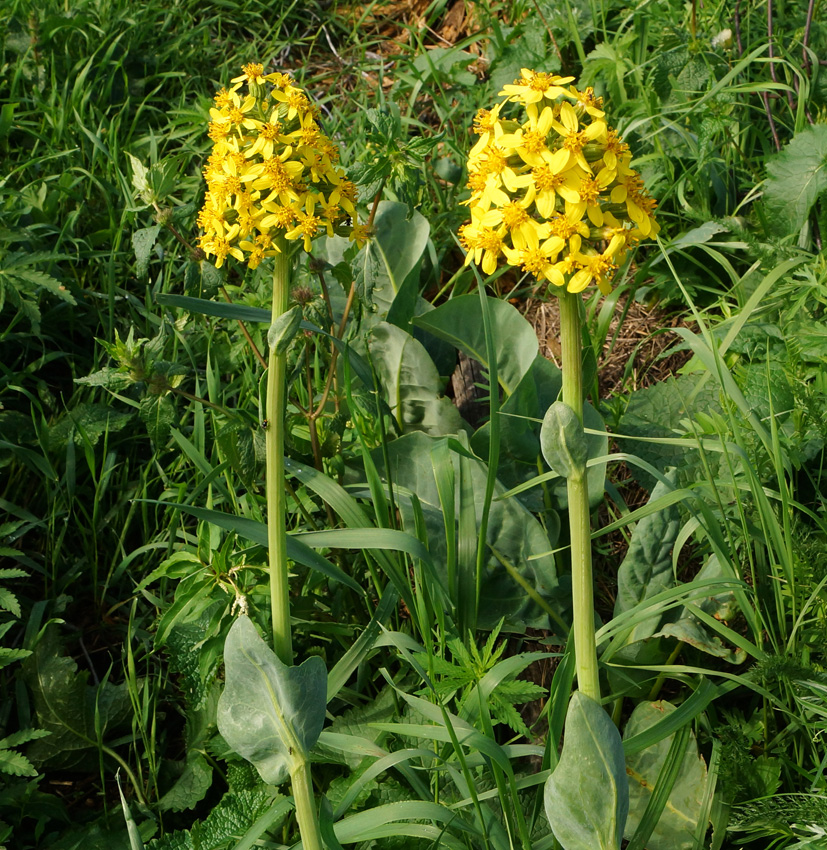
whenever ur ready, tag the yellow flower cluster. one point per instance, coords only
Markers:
(272, 172)
(553, 193)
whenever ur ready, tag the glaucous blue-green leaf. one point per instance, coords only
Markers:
(412, 385)
(269, 713)
(283, 330)
(563, 442)
(675, 829)
(587, 796)
(796, 176)
(647, 568)
(459, 321)
(513, 532)
(597, 446)
(387, 268)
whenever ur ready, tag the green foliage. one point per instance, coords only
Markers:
(269, 713)
(108, 451)
(675, 826)
(587, 795)
(797, 176)
(563, 442)
(468, 668)
(76, 715)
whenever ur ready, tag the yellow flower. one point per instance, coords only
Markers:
(271, 167)
(534, 86)
(552, 190)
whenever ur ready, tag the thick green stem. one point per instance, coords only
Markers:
(275, 405)
(305, 806)
(585, 650)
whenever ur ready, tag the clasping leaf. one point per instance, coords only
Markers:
(269, 713)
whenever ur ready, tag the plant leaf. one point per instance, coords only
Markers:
(587, 796)
(563, 442)
(797, 175)
(412, 383)
(269, 713)
(675, 830)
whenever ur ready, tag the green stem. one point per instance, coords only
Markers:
(305, 802)
(274, 406)
(585, 650)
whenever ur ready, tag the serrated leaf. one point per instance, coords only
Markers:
(797, 175)
(269, 713)
(675, 830)
(9, 602)
(16, 764)
(9, 656)
(233, 817)
(139, 178)
(191, 787)
(143, 241)
(587, 796)
(158, 415)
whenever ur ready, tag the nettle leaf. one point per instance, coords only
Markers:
(143, 241)
(797, 175)
(87, 422)
(676, 827)
(587, 796)
(158, 414)
(269, 713)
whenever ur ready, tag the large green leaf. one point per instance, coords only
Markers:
(388, 266)
(796, 177)
(676, 827)
(513, 532)
(411, 383)
(587, 796)
(658, 411)
(459, 321)
(269, 713)
(647, 568)
(78, 715)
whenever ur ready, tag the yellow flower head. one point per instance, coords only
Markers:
(272, 171)
(551, 188)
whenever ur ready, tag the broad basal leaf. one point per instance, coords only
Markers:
(678, 822)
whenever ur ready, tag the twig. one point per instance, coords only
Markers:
(244, 330)
(548, 30)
